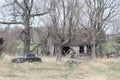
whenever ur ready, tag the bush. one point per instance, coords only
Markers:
(108, 48)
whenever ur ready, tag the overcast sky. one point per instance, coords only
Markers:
(3, 1)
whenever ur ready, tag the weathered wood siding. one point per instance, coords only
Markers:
(76, 49)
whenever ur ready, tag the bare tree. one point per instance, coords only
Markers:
(99, 15)
(63, 24)
(23, 12)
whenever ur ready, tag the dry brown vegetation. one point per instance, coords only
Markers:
(100, 69)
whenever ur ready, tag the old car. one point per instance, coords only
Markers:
(26, 58)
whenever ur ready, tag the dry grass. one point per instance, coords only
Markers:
(101, 69)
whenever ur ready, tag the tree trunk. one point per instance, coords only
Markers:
(27, 33)
(93, 51)
(26, 20)
(58, 54)
(27, 41)
(93, 47)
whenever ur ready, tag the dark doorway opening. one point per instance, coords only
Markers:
(65, 50)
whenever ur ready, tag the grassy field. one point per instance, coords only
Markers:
(100, 69)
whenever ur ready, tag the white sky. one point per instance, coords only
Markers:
(3, 1)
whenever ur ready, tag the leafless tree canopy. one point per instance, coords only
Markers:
(23, 12)
(64, 20)
(98, 14)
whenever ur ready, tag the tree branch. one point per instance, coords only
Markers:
(10, 22)
(46, 12)
(19, 5)
(40, 14)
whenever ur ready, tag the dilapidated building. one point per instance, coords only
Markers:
(80, 44)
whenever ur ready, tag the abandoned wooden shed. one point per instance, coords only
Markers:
(80, 44)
